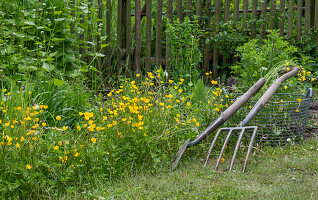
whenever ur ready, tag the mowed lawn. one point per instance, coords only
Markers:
(290, 172)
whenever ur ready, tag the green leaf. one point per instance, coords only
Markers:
(48, 67)
(58, 82)
(27, 22)
(104, 45)
(94, 69)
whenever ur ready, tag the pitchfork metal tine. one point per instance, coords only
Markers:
(211, 147)
(223, 149)
(236, 148)
(249, 148)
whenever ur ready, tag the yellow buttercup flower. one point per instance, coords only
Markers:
(58, 118)
(214, 82)
(93, 140)
(64, 128)
(56, 148)
(28, 166)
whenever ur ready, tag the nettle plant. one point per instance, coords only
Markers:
(185, 53)
(257, 58)
(39, 38)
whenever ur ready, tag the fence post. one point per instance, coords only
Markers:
(307, 15)
(263, 26)
(299, 18)
(206, 51)
(236, 10)
(254, 10)
(168, 45)
(282, 17)
(273, 15)
(316, 22)
(290, 18)
(137, 36)
(179, 10)
(148, 34)
(215, 48)
(128, 38)
(245, 9)
(158, 32)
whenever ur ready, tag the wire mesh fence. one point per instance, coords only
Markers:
(283, 119)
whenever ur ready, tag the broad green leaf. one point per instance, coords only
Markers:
(94, 69)
(58, 82)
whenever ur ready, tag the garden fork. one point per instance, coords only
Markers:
(242, 128)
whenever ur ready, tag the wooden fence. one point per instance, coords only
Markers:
(293, 18)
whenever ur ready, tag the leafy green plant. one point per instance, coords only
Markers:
(185, 53)
(257, 58)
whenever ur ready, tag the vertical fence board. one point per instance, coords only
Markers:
(282, 17)
(108, 34)
(263, 26)
(273, 15)
(128, 37)
(119, 34)
(198, 9)
(236, 10)
(148, 34)
(245, 9)
(159, 32)
(215, 49)
(254, 12)
(168, 45)
(100, 33)
(206, 51)
(189, 7)
(290, 18)
(307, 14)
(299, 18)
(179, 9)
(227, 10)
(137, 36)
(316, 22)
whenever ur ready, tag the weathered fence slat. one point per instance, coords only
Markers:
(179, 9)
(158, 32)
(128, 37)
(307, 14)
(215, 48)
(108, 33)
(254, 9)
(189, 7)
(148, 34)
(119, 34)
(263, 26)
(227, 10)
(245, 9)
(273, 15)
(282, 17)
(236, 10)
(316, 22)
(206, 51)
(137, 36)
(290, 18)
(168, 45)
(299, 18)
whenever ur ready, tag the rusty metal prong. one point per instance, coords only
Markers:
(212, 145)
(237, 147)
(250, 146)
(223, 148)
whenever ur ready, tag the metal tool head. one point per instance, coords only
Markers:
(179, 154)
(230, 130)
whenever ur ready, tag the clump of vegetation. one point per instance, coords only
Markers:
(184, 38)
(141, 124)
